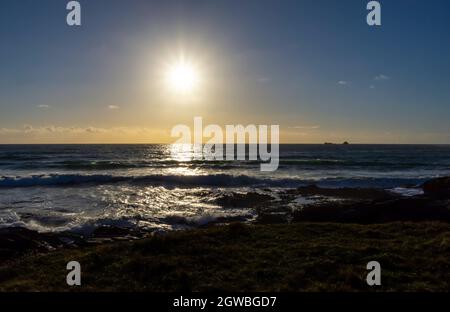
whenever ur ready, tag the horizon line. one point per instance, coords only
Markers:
(299, 143)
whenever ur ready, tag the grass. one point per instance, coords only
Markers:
(296, 257)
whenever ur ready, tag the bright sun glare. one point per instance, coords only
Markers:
(182, 77)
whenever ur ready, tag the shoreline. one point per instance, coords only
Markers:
(330, 205)
(410, 236)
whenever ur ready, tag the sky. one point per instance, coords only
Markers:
(314, 67)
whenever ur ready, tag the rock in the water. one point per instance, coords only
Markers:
(346, 193)
(437, 187)
(237, 200)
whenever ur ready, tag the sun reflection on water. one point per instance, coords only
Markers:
(185, 152)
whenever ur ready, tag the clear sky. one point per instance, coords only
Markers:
(314, 67)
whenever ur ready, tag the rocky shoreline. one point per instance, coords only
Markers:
(345, 205)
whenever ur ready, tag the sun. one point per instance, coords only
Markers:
(182, 77)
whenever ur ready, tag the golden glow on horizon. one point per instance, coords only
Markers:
(182, 77)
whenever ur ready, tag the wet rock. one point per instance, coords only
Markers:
(174, 220)
(247, 200)
(158, 232)
(222, 220)
(439, 187)
(345, 193)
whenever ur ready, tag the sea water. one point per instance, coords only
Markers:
(81, 187)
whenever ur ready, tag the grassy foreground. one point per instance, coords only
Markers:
(296, 257)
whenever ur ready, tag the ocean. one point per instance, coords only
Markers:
(78, 188)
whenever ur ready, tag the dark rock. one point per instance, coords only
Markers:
(110, 231)
(439, 187)
(379, 211)
(16, 241)
(98, 240)
(345, 193)
(247, 200)
(272, 218)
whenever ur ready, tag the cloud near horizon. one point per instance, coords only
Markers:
(305, 127)
(381, 77)
(57, 134)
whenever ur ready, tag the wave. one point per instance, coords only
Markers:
(87, 226)
(340, 163)
(215, 180)
(371, 182)
(88, 165)
(218, 180)
(56, 179)
(285, 163)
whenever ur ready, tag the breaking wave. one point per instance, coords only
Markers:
(217, 180)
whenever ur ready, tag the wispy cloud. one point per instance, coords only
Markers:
(43, 106)
(305, 127)
(381, 77)
(113, 107)
(342, 82)
(88, 134)
(29, 129)
(372, 87)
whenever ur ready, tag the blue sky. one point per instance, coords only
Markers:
(313, 67)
